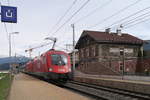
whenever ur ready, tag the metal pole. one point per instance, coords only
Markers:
(73, 46)
(9, 44)
(9, 37)
(123, 61)
(10, 67)
(10, 41)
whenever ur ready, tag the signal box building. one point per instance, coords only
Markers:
(108, 53)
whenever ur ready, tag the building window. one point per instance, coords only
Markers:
(122, 52)
(128, 50)
(97, 50)
(120, 66)
(79, 54)
(90, 51)
(87, 52)
(113, 50)
(82, 53)
(93, 51)
(88, 42)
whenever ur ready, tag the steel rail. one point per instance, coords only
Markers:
(106, 92)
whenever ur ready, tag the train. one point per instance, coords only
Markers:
(53, 65)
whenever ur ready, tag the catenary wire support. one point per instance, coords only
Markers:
(73, 27)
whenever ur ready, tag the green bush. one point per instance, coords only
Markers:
(5, 84)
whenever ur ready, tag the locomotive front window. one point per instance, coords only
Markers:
(59, 60)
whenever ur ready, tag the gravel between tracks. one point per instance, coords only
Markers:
(25, 87)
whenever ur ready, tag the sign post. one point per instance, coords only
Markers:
(9, 14)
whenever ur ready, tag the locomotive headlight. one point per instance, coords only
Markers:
(50, 69)
(69, 69)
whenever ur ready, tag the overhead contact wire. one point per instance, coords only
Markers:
(118, 12)
(129, 16)
(72, 16)
(136, 23)
(132, 21)
(94, 11)
(63, 16)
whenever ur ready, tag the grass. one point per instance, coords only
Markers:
(5, 84)
(3, 74)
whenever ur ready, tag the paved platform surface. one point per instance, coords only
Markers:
(25, 87)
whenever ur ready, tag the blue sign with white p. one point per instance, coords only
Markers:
(9, 14)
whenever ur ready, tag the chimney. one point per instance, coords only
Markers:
(118, 31)
(108, 30)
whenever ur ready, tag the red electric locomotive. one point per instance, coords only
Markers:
(51, 65)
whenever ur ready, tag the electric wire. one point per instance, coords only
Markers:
(93, 11)
(136, 23)
(130, 22)
(63, 16)
(81, 7)
(118, 12)
(62, 48)
(140, 17)
(119, 21)
(71, 16)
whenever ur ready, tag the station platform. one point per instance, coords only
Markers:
(129, 83)
(25, 87)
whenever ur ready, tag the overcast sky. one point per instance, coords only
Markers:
(36, 20)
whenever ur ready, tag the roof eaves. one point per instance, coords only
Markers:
(119, 42)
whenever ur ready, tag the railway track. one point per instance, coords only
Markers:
(105, 92)
(100, 92)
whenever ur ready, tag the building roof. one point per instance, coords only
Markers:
(105, 37)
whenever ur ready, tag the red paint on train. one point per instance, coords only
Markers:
(51, 65)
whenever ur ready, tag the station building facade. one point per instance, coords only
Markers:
(109, 53)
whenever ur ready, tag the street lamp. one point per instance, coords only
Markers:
(10, 48)
(10, 41)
